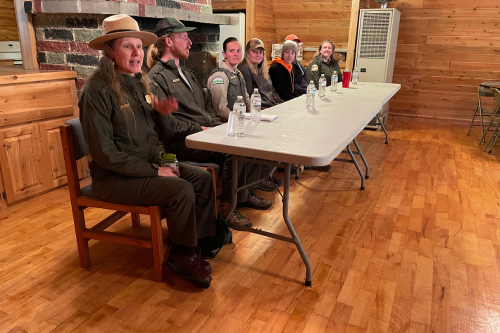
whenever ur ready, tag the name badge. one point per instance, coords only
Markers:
(233, 77)
(176, 80)
(124, 106)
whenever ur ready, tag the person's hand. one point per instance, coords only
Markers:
(168, 172)
(205, 128)
(165, 106)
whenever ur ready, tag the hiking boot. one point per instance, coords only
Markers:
(235, 217)
(323, 168)
(255, 202)
(205, 265)
(270, 185)
(189, 268)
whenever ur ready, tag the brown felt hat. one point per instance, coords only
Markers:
(119, 26)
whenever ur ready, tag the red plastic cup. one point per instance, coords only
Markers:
(346, 78)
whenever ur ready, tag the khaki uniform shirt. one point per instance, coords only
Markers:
(319, 66)
(218, 84)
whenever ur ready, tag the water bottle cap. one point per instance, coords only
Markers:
(168, 157)
(334, 72)
(322, 75)
(256, 89)
(240, 97)
(311, 81)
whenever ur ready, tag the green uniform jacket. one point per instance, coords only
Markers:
(121, 136)
(195, 109)
(319, 66)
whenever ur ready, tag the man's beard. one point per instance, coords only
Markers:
(180, 54)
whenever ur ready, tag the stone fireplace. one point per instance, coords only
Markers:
(63, 28)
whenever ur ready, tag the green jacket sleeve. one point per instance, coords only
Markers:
(208, 107)
(313, 75)
(173, 127)
(95, 116)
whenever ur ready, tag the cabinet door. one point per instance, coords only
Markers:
(53, 154)
(21, 159)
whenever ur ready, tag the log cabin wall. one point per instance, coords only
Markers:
(446, 48)
(8, 26)
(229, 5)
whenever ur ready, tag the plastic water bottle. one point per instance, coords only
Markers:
(311, 91)
(256, 103)
(335, 80)
(321, 86)
(355, 75)
(239, 109)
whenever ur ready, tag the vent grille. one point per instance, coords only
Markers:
(374, 33)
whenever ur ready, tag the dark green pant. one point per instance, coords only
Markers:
(247, 172)
(189, 201)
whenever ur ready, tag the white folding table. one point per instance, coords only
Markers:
(300, 135)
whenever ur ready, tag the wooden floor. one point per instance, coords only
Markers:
(417, 251)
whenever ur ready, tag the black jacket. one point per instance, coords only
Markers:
(283, 80)
(300, 75)
(268, 95)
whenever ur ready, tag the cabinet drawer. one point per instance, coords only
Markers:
(36, 101)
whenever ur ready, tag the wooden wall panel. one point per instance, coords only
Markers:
(313, 22)
(229, 5)
(265, 25)
(8, 26)
(446, 48)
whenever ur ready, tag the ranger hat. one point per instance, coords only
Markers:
(119, 26)
(293, 37)
(168, 25)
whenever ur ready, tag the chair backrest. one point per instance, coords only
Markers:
(73, 150)
(79, 143)
(483, 91)
(496, 93)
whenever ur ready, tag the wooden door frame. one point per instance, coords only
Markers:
(26, 34)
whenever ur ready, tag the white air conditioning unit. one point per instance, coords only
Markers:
(376, 48)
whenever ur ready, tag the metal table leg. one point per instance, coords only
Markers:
(383, 127)
(286, 194)
(357, 167)
(367, 174)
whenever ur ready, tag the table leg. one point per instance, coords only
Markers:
(286, 194)
(367, 174)
(234, 189)
(357, 166)
(383, 127)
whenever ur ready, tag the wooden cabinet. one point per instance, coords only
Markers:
(32, 107)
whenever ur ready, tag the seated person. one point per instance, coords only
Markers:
(299, 71)
(116, 112)
(194, 115)
(281, 72)
(323, 63)
(256, 74)
(226, 82)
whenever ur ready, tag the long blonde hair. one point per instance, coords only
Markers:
(321, 45)
(260, 69)
(156, 50)
(106, 71)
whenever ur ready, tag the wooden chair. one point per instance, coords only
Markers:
(75, 147)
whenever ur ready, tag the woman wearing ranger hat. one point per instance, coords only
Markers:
(323, 63)
(116, 110)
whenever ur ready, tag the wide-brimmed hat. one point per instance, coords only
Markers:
(292, 37)
(118, 26)
(168, 25)
(255, 43)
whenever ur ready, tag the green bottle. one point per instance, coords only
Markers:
(169, 160)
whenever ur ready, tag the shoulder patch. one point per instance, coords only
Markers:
(314, 68)
(218, 80)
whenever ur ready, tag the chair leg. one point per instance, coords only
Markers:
(493, 135)
(136, 220)
(486, 132)
(82, 243)
(494, 141)
(157, 241)
(472, 122)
